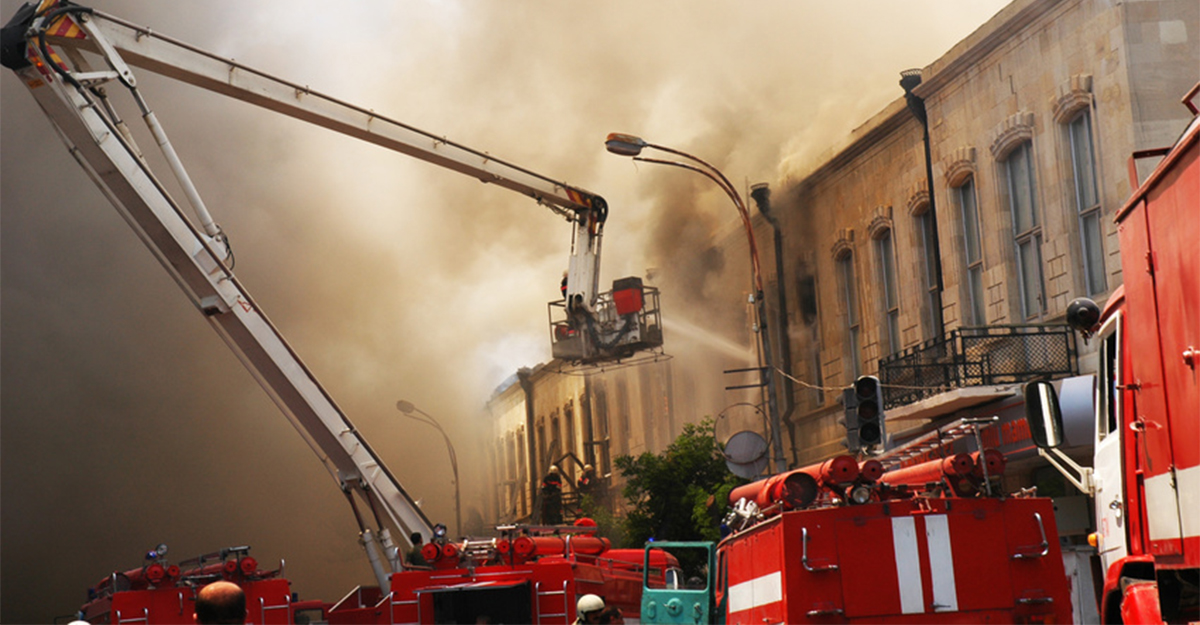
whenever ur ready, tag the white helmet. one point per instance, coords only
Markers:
(588, 604)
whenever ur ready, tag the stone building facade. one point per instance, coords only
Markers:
(550, 416)
(1031, 120)
(886, 257)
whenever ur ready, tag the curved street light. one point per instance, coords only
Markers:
(411, 411)
(632, 146)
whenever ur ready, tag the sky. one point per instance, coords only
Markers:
(124, 419)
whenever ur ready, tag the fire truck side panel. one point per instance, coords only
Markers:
(980, 573)
(1172, 214)
(158, 605)
(888, 583)
(1149, 422)
(267, 602)
(1040, 582)
(813, 596)
(755, 575)
(901, 562)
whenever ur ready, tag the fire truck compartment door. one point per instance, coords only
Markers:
(923, 564)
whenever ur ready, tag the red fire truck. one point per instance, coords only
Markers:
(845, 541)
(1145, 476)
(528, 575)
(68, 56)
(159, 592)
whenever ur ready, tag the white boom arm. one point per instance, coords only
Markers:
(122, 42)
(45, 49)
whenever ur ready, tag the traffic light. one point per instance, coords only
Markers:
(868, 409)
(850, 420)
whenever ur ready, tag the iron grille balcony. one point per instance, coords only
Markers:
(978, 356)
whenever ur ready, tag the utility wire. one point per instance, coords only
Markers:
(842, 388)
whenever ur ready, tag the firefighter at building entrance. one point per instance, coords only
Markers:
(552, 497)
(587, 480)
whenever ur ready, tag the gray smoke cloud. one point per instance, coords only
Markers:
(126, 422)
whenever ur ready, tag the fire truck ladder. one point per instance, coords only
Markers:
(550, 595)
(930, 441)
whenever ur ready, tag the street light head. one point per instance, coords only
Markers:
(405, 406)
(624, 145)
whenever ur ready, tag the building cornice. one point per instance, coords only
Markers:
(967, 54)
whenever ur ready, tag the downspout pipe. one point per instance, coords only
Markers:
(909, 79)
(761, 194)
(524, 376)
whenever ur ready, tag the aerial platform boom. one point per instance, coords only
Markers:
(67, 55)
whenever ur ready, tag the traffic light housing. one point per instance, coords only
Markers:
(868, 395)
(850, 421)
(864, 414)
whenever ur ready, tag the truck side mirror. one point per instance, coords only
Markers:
(1043, 414)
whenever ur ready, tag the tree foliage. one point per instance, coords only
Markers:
(680, 493)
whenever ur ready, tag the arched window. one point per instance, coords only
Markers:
(886, 254)
(960, 175)
(964, 196)
(1087, 200)
(1073, 111)
(848, 294)
(1027, 229)
(1013, 149)
(920, 206)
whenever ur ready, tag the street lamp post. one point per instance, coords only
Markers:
(632, 146)
(412, 412)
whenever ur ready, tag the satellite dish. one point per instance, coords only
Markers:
(747, 471)
(746, 454)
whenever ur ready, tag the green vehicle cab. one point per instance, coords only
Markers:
(683, 593)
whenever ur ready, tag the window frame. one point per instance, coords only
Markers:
(1095, 273)
(973, 274)
(1109, 378)
(1027, 237)
(852, 323)
(929, 262)
(885, 253)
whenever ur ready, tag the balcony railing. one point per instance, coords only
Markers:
(978, 356)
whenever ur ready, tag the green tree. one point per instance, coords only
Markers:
(680, 493)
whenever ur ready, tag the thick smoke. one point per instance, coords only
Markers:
(126, 422)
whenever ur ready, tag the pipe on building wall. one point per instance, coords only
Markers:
(909, 79)
(523, 376)
(585, 416)
(761, 193)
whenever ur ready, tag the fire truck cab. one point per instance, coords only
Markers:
(1145, 475)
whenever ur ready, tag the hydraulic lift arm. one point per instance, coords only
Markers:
(45, 46)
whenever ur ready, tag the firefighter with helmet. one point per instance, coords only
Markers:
(552, 497)
(588, 609)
